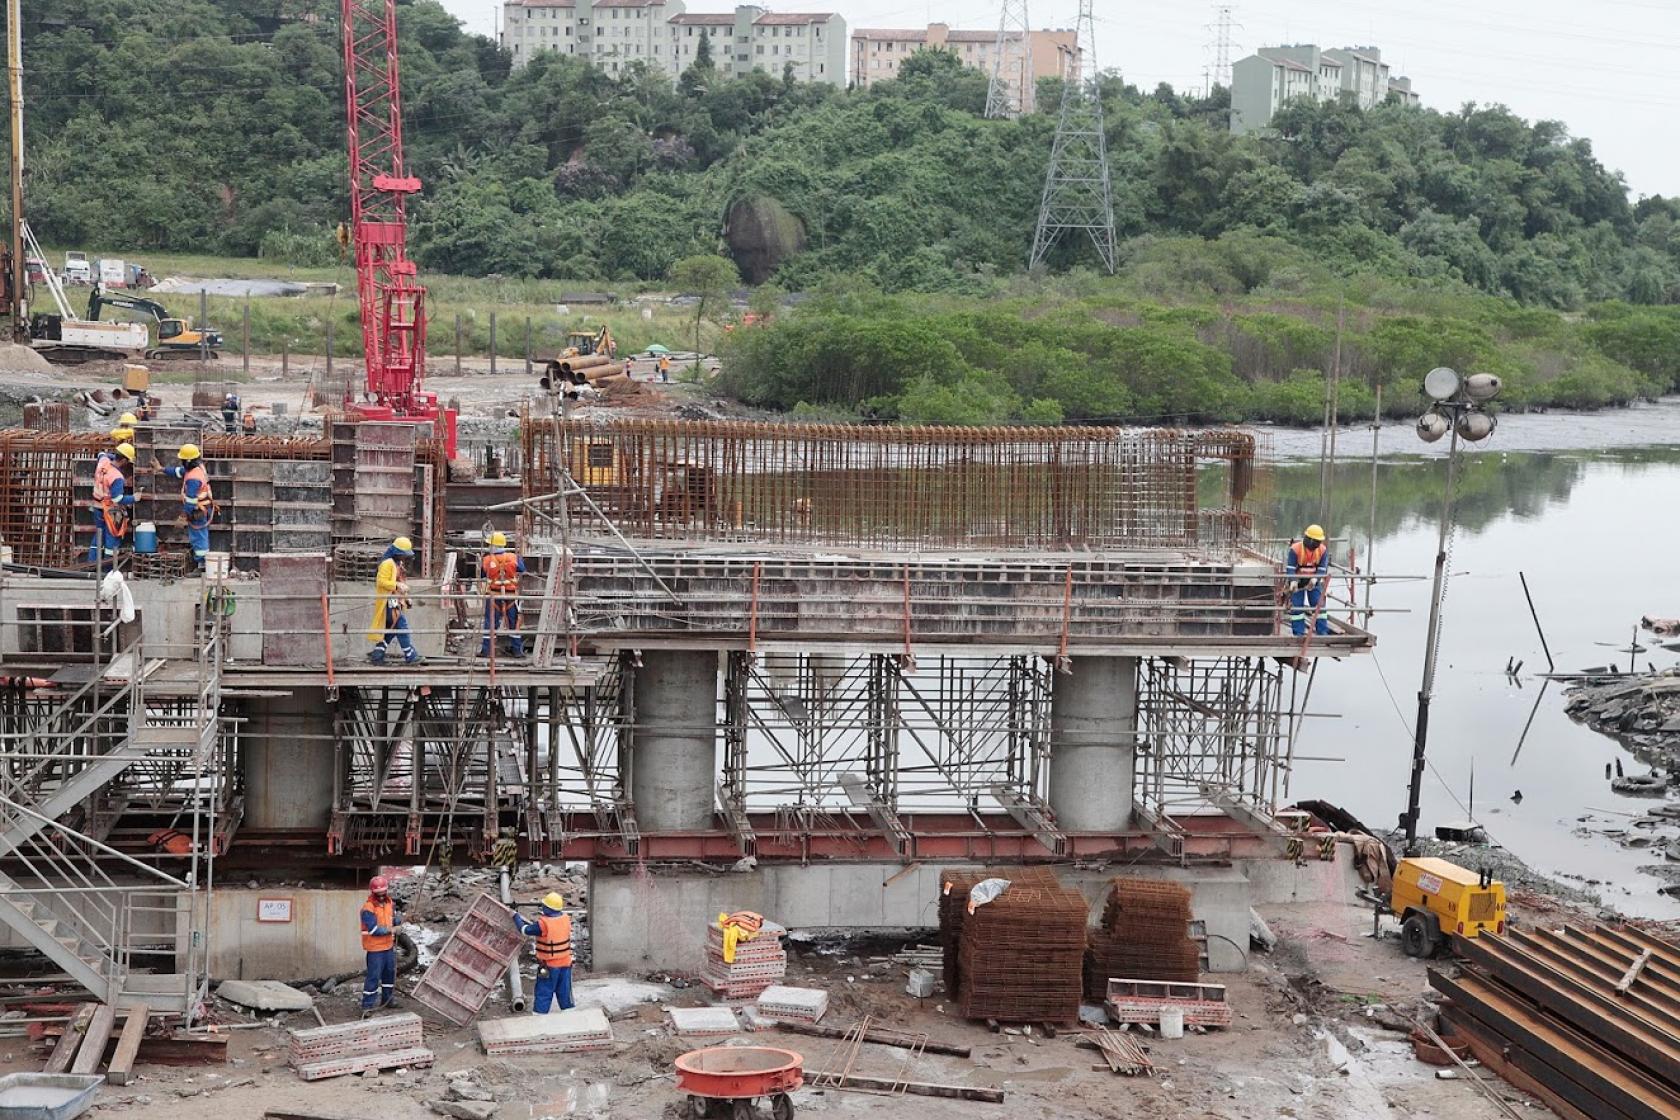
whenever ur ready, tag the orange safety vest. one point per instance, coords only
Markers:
(171, 841)
(501, 571)
(1308, 561)
(383, 914)
(745, 920)
(554, 940)
(104, 474)
(204, 501)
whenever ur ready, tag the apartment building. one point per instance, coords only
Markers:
(613, 34)
(877, 53)
(1271, 77)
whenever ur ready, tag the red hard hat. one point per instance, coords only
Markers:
(378, 885)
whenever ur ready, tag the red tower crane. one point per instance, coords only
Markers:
(391, 297)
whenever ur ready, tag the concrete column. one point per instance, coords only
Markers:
(1093, 725)
(675, 770)
(286, 751)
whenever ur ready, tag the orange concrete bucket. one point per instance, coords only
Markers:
(723, 1081)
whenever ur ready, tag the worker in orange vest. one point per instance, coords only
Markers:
(198, 505)
(380, 919)
(502, 570)
(553, 932)
(1308, 565)
(112, 504)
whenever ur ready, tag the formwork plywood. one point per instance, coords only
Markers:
(385, 488)
(472, 962)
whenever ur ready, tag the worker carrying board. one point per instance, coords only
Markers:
(502, 570)
(1308, 565)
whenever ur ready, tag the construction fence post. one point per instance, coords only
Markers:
(457, 344)
(492, 344)
(285, 356)
(245, 346)
(527, 348)
(203, 320)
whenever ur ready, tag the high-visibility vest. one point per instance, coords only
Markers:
(200, 506)
(383, 914)
(554, 940)
(104, 475)
(501, 571)
(171, 841)
(1308, 561)
(745, 920)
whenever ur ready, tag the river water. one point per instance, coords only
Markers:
(1585, 506)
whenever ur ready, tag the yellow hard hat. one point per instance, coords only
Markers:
(403, 544)
(127, 420)
(189, 451)
(126, 450)
(498, 540)
(553, 901)
(1314, 533)
(122, 435)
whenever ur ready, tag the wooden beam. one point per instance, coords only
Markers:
(879, 1038)
(128, 1045)
(93, 1044)
(913, 1088)
(59, 1062)
(1633, 972)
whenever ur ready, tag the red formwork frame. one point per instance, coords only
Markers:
(388, 289)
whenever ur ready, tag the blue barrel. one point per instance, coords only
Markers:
(145, 537)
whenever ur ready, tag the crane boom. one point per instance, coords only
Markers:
(392, 300)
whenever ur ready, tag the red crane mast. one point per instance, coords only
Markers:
(391, 297)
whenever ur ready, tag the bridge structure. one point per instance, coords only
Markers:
(792, 667)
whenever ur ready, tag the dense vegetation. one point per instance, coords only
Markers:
(216, 125)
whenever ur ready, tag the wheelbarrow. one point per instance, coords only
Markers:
(723, 1081)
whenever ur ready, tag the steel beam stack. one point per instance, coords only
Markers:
(1145, 935)
(1586, 1019)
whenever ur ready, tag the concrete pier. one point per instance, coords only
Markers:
(675, 763)
(287, 754)
(1093, 732)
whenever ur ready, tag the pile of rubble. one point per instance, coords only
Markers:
(1641, 711)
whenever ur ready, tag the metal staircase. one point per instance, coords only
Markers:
(134, 728)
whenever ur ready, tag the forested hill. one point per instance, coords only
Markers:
(217, 126)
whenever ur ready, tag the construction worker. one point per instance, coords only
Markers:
(198, 506)
(553, 931)
(380, 919)
(1308, 565)
(665, 367)
(502, 570)
(111, 504)
(230, 413)
(124, 431)
(390, 603)
(629, 369)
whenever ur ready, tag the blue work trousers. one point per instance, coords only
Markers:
(395, 630)
(1302, 602)
(552, 984)
(103, 538)
(198, 535)
(501, 615)
(381, 982)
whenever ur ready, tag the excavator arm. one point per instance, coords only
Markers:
(99, 299)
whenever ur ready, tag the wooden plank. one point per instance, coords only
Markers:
(913, 1088)
(880, 1038)
(69, 1040)
(1633, 972)
(93, 1045)
(128, 1045)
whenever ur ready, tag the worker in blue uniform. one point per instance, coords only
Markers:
(380, 919)
(553, 932)
(1308, 565)
(198, 505)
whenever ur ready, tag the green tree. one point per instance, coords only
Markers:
(710, 280)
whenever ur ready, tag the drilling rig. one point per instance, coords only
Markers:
(388, 288)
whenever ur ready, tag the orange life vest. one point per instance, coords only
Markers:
(746, 921)
(204, 501)
(554, 940)
(171, 841)
(383, 914)
(1308, 561)
(104, 474)
(501, 571)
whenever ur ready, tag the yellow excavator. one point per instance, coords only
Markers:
(584, 343)
(176, 338)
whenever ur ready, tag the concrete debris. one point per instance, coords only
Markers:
(464, 1110)
(919, 983)
(1260, 935)
(264, 995)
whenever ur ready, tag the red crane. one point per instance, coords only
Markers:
(392, 299)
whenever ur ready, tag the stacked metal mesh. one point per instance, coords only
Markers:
(1145, 935)
(955, 883)
(1018, 956)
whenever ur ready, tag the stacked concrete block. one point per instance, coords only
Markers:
(384, 1042)
(758, 963)
(797, 1005)
(702, 1021)
(559, 1032)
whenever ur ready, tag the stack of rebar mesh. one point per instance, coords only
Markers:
(954, 884)
(1145, 935)
(1018, 956)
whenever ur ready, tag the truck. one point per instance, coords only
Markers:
(113, 273)
(1436, 901)
(77, 270)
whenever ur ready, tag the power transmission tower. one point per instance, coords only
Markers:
(1223, 24)
(1077, 195)
(1011, 90)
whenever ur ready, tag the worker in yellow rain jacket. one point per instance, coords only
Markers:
(502, 570)
(553, 931)
(390, 603)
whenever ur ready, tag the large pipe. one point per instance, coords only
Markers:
(583, 362)
(516, 991)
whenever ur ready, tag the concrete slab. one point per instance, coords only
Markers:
(704, 1020)
(264, 995)
(579, 1028)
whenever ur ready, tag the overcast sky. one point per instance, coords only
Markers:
(1610, 70)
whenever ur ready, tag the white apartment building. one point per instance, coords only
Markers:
(877, 54)
(613, 34)
(1271, 77)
